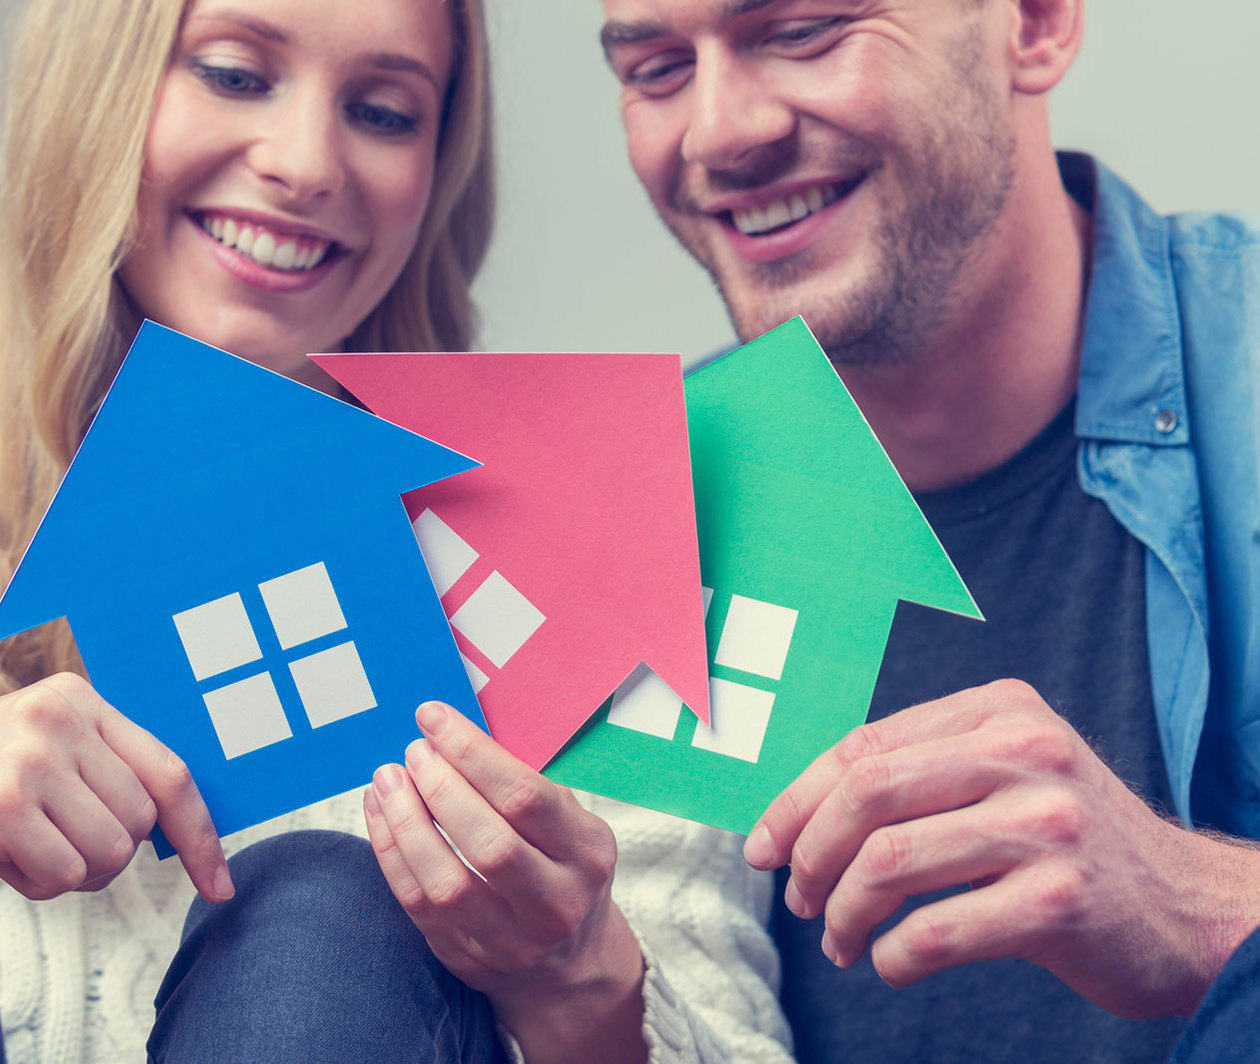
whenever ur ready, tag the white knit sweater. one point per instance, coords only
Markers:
(78, 975)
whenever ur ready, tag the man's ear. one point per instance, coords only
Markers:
(1045, 38)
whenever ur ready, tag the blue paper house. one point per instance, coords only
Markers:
(241, 578)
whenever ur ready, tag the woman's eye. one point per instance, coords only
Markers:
(231, 81)
(382, 120)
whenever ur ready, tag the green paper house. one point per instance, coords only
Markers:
(808, 540)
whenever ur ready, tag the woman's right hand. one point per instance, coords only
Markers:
(81, 787)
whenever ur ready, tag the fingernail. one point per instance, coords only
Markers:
(223, 885)
(831, 952)
(431, 716)
(792, 898)
(419, 753)
(388, 779)
(372, 804)
(759, 849)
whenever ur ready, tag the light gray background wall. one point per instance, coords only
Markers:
(1165, 90)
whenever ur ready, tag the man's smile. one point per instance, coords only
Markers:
(773, 223)
(771, 215)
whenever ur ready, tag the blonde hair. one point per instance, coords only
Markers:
(83, 78)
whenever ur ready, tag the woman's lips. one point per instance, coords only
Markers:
(245, 265)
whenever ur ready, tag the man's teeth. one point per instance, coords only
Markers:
(277, 252)
(756, 220)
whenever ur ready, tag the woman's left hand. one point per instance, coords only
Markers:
(534, 927)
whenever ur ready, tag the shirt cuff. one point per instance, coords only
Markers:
(674, 1035)
(1223, 1027)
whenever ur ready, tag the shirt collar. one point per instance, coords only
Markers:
(1132, 386)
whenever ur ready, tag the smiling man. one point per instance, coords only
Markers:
(1063, 377)
(878, 160)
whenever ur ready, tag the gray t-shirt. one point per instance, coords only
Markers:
(1061, 584)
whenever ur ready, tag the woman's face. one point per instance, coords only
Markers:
(287, 170)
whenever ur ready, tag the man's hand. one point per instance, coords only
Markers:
(81, 787)
(1069, 868)
(534, 927)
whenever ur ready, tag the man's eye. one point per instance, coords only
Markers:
(805, 33)
(383, 120)
(231, 81)
(660, 77)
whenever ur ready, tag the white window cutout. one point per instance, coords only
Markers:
(303, 606)
(446, 554)
(706, 596)
(217, 636)
(476, 677)
(332, 685)
(740, 715)
(645, 703)
(755, 637)
(497, 619)
(247, 715)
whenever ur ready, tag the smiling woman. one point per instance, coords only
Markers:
(287, 171)
(326, 134)
(274, 177)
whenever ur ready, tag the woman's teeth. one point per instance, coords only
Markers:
(275, 251)
(757, 220)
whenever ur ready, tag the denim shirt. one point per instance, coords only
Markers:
(1167, 419)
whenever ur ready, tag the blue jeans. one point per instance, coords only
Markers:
(313, 961)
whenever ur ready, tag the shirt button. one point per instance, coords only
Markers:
(1165, 422)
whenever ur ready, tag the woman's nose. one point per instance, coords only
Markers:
(300, 149)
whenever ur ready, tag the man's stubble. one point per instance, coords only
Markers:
(960, 180)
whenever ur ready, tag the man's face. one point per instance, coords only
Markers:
(839, 159)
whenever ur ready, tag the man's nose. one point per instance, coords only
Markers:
(300, 148)
(734, 112)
